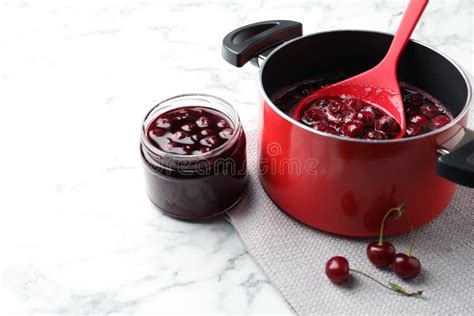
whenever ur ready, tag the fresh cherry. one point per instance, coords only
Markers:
(338, 271)
(380, 255)
(380, 252)
(405, 266)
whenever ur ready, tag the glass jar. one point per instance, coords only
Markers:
(194, 185)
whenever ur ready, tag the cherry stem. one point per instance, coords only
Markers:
(412, 237)
(399, 211)
(392, 286)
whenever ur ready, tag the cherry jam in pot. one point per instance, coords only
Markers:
(194, 152)
(356, 119)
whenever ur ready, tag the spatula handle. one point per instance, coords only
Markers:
(402, 36)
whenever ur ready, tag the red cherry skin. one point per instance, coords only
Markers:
(334, 120)
(222, 123)
(366, 117)
(375, 135)
(206, 132)
(313, 115)
(353, 128)
(440, 121)
(378, 112)
(419, 120)
(355, 104)
(429, 110)
(412, 130)
(203, 122)
(172, 144)
(380, 255)
(324, 127)
(210, 141)
(180, 135)
(163, 123)
(406, 267)
(188, 127)
(373, 110)
(388, 125)
(349, 116)
(337, 107)
(157, 132)
(337, 269)
(226, 133)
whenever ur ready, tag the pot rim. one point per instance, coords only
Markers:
(458, 118)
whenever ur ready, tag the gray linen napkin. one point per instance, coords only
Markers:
(293, 256)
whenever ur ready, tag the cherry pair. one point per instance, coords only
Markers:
(382, 253)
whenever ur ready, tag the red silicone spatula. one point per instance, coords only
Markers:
(379, 85)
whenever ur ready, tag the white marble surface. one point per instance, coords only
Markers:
(77, 232)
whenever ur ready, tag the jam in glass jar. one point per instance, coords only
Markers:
(193, 149)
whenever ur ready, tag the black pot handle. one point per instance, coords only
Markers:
(458, 165)
(247, 42)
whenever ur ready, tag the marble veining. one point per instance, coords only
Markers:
(77, 232)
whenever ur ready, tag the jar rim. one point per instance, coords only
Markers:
(168, 103)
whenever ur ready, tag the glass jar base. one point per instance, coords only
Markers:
(199, 219)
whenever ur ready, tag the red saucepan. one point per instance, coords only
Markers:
(343, 185)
